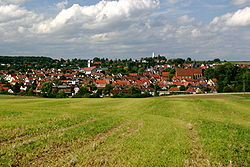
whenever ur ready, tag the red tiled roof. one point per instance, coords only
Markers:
(15, 81)
(133, 74)
(214, 79)
(174, 89)
(190, 89)
(165, 74)
(5, 88)
(188, 72)
(100, 87)
(97, 74)
(176, 78)
(188, 65)
(122, 83)
(89, 68)
(178, 83)
(100, 82)
(155, 76)
(116, 88)
(186, 84)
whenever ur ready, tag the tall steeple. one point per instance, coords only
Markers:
(89, 63)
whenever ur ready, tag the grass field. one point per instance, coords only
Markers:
(125, 132)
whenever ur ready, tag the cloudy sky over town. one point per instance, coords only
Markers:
(200, 29)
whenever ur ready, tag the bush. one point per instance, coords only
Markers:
(61, 94)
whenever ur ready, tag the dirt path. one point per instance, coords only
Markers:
(197, 157)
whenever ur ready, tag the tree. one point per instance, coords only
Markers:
(96, 59)
(188, 59)
(83, 92)
(157, 87)
(135, 90)
(61, 94)
(63, 77)
(107, 89)
(217, 60)
(47, 89)
(182, 88)
(230, 77)
(30, 92)
(16, 88)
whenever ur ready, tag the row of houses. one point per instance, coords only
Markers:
(185, 80)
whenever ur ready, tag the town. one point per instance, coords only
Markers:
(153, 76)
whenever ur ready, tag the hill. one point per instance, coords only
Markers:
(125, 132)
(24, 59)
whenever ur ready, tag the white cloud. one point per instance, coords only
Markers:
(61, 5)
(14, 21)
(96, 16)
(196, 32)
(239, 18)
(173, 1)
(12, 12)
(240, 2)
(120, 29)
(185, 19)
(103, 36)
(12, 1)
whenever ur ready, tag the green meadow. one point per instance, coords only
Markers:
(184, 131)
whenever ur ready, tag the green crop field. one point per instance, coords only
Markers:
(184, 131)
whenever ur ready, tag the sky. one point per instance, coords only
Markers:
(200, 29)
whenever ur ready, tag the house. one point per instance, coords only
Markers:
(133, 74)
(174, 89)
(4, 88)
(165, 75)
(193, 73)
(89, 70)
(191, 90)
(10, 91)
(97, 63)
(23, 89)
(194, 90)
(117, 90)
(161, 93)
(156, 76)
(122, 83)
(142, 83)
(149, 90)
(66, 89)
(212, 82)
(101, 84)
(188, 65)
(76, 89)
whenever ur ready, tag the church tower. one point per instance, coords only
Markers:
(89, 63)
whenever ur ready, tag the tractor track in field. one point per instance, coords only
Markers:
(24, 140)
(105, 154)
(197, 157)
(22, 130)
(66, 148)
(131, 131)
